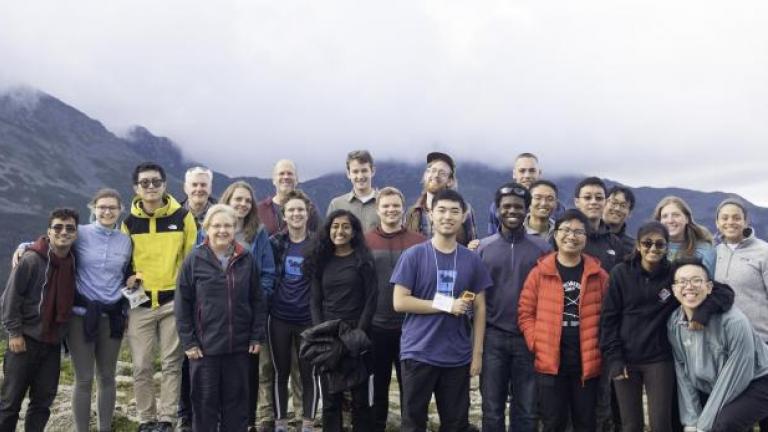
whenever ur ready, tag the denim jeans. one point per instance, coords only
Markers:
(507, 371)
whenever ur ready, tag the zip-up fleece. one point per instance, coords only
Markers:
(160, 243)
(509, 259)
(540, 315)
(23, 297)
(219, 311)
(746, 271)
(635, 312)
(606, 246)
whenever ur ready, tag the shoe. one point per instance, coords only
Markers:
(473, 428)
(266, 426)
(184, 425)
(147, 427)
(164, 427)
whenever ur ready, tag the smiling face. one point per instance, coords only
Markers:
(526, 171)
(198, 188)
(438, 176)
(361, 176)
(106, 210)
(672, 217)
(731, 223)
(390, 210)
(62, 233)
(652, 248)
(591, 202)
(150, 187)
(571, 237)
(511, 212)
(447, 217)
(341, 232)
(691, 286)
(221, 231)
(543, 201)
(295, 212)
(284, 177)
(241, 201)
(616, 210)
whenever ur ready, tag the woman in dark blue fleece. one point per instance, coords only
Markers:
(220, 317)
(343, 287)
(633, 336)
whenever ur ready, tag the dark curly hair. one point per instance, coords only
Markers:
(322, 249)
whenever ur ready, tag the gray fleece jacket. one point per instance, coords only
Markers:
(721, 360)
(745, 269)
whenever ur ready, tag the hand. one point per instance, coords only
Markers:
(476, 366)
(194, 353)
(16, 257)
(473, 244)
(622, 376)
(254, 348)
(695, 326)
(460, 307)
(131, 282)
(17, 344)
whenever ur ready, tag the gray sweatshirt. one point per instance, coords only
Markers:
(745, 269)
(721, 360)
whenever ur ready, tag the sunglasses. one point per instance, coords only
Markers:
(155, 182)
(648, 244)
(512, 191)
(58, 228)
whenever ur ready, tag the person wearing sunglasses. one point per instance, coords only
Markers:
(36, 310)
(558, 314)
(633, 337)
(722, 370)
(163, 233)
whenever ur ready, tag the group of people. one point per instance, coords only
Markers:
(566, 317)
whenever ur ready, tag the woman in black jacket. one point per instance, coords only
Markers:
(220, 318)
(343, 287)
(633, 337)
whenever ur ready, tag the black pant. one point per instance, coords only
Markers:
(747, 409)
(36, 369)
(219, 385)
(564, 397)
(362, 412)
(659, 381)
(253, 387)
(185, 402)
(386, 353)
(451, 388)
(284, 338)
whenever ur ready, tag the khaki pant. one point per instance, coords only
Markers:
(147, 329)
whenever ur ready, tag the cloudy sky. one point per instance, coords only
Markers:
(648, 92)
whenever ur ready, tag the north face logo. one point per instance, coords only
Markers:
(172, 226)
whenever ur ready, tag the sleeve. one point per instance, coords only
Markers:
(493, 220)
(130, 269)
(184, 306)
(13, 297)
(265, 258)
(470, 227)
(737, 372)
(718, 302)
(404, 273)
(371, 292)
(688, 400)
(526, 311)
(190, 234)
(708, 258)
(258, 304)
(331, 207)
(316, 301)
(610, 324)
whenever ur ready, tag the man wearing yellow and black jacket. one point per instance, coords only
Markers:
(163, 233)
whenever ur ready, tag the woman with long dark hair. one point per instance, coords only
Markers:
(343, 277)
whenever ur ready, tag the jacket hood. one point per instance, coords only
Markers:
(548, 264)
(41, 246)
(170, 207)
(749, 237)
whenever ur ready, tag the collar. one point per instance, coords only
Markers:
(365, 200)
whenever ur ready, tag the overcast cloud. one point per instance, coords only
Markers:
(648, 92)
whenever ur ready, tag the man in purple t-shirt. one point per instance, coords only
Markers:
(440, 285)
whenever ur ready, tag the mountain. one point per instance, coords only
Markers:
(53, 155)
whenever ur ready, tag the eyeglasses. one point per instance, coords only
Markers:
(619, 204)
(545, 198)
(112, 209)
(155, 182)
(596, 198)
(695, 282)
(437, 172)
(222, 226)
(58, 228)
(576, 232)
(648, 244)
(512, 191)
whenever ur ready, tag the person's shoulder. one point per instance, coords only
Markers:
(538, 242)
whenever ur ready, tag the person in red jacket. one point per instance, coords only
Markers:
(559, 315)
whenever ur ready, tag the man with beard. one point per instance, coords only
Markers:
(439, 175)
(509, 255)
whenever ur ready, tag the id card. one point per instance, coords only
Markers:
(444, 296)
